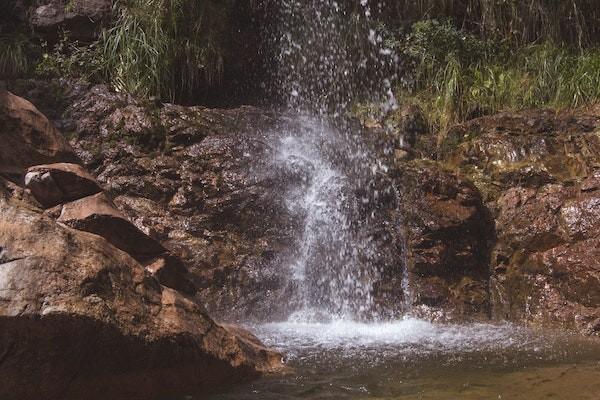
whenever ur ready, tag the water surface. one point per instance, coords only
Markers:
(413, 359)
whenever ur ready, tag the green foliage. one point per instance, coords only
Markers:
(15, 51)
(70, 59)
(166, 48)
(574, 22)
(454, 75)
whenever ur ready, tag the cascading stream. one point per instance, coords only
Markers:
(319, 75)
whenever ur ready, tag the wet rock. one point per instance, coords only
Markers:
(81, 18)
(538, 173)
(205, 192)
(28, 137)
(449, 234)
(528, 148)
(548, 243)
(171, 272)
(97, 214)
(82, 319)
(54, 184)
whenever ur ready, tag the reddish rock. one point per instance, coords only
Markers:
(538, 170)
(81, 319)
(171, 272)
(54, 184)
(449, 234)
(98, 215)
(28, 137)
(549, 249)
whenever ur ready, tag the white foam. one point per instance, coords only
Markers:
(408, 335)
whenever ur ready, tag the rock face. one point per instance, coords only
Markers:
(91, 307)
(206, 184)
(449, 237)
(82, 319)
(54, 184)
(502, 224)
(81, 18)
(538, 172)
(28, 137)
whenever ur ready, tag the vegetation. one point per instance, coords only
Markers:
(458, 58)
(453, 75)
(573, 22)
(165, 48)
(69, 58)
(14, 56)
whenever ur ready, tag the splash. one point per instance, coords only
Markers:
(330, 56)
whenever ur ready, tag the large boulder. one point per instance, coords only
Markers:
(82, 319)
(28, 137)
(538, 171)
(547, 257)
(54, 184)
(81, 18)
(98, 215)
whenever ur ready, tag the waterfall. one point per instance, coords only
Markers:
(326, 50)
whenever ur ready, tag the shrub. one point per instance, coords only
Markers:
(71, 59)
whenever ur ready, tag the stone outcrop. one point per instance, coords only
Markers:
(449, 234)
(90, 306)
(547, 258)
(82, 319)
(538, 173)
(479, 228)
(28, 137)
(205, 183)
(54, 184)
(198, 181)
(81, 18)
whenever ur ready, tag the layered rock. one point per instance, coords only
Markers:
(538, 171)
(82, 319)
(90, 306)
(28, 137)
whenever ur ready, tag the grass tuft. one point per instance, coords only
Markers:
(14, 56)
(455, 75)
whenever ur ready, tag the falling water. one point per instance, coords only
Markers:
(326, 51)
(337, 337)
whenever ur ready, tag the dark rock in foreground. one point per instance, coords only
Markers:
(81, 319)
(90, 306)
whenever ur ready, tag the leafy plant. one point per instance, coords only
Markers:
(71, 59)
